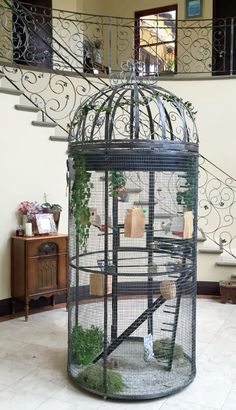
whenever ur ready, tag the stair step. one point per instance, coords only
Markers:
(143, 203)
(44, 124)
(58, 138)
(133, 190)
(210, 250)
(225, 263)
(163, 215)
(10, 91)
(200, 239)
(27, 108)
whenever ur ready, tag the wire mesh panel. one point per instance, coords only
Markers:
(132, 281)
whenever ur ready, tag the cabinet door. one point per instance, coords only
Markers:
(42, 274)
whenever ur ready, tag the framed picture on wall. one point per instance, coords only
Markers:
(193, 8)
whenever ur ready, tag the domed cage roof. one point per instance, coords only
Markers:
(133, 113)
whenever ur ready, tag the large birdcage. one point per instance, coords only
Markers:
(133, 164)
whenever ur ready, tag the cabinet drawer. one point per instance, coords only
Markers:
(48, 246)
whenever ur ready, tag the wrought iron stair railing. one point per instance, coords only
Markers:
(57, 94)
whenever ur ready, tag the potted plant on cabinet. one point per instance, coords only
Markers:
(54, 209)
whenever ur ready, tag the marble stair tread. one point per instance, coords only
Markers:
(10, 91)
(201, 239)
(143, 203)
(44, 124)
(163, 215)
(226, 263)
(58, 138)
(27, 108)
(210, 250)
(133, 190)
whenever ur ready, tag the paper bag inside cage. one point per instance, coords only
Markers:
(188, 225)
(134, 225)
(183, 225)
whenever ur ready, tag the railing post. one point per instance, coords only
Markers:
(109, 44)
(232, 46)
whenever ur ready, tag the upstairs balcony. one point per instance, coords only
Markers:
(91, 44)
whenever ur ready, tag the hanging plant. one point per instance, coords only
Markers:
(186, 197)
(80, 196)
(117, 182)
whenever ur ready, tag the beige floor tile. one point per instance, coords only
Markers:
(10, 399)
(52, 404)
(230, 402)
(11, 371)
(175, 404)
(209, 389)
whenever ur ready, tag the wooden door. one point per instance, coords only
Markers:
(32, 33)
(224, 37)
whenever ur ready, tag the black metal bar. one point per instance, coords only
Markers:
(115, 246)
(106, 257)
(149, 241)
(77, 285)
(174, 330)
(232, 57)
(194, 274)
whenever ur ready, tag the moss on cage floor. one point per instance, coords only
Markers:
(92, 378)
(139, 377)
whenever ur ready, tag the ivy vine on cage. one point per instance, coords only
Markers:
(81, 191)
(183, 225)
(86, 108)
(186, 197)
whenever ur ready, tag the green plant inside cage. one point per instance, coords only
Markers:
(162, 349)
(92, 378)
(86, 343)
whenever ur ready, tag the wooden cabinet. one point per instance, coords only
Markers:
(38, 268)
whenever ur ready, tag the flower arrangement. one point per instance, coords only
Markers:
(30, 208)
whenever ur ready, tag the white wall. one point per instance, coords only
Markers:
(128, 7)
(214, 101)
(30, 165)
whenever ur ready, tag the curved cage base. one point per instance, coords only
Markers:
(167, 392)
(142, 379)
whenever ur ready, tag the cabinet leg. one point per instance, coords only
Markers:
(53, 300)
(26, 310)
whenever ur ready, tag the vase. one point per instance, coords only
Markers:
(24, 220)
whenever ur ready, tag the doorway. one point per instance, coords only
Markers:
(32, 33)
(155, 39)
(224, 37)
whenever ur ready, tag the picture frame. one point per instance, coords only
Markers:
(45, 224)
(193, 8)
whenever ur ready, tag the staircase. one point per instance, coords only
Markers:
(53, 95)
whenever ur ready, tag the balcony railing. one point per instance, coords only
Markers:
(99, 44)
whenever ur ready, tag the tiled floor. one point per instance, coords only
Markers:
(33, 366)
